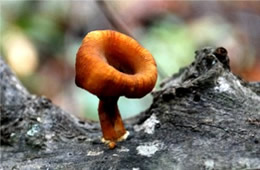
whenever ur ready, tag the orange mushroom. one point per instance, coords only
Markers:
(110, 64)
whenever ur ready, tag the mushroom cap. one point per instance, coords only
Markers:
(111, 64)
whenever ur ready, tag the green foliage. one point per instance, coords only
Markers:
(167, 41)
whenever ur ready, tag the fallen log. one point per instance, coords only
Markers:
(203, 117)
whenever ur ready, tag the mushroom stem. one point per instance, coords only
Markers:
(110, 120)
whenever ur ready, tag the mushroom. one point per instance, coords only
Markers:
(110, 64)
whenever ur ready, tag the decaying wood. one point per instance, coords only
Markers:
(203, 117)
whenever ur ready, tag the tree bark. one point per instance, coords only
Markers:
(203, 117)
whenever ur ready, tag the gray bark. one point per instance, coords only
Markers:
(204, 117)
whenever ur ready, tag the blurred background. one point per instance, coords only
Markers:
(40, 39)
